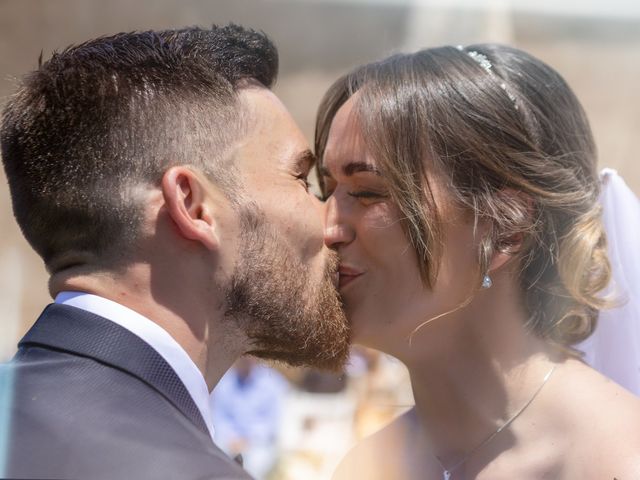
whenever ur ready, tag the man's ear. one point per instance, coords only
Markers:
(185, 195)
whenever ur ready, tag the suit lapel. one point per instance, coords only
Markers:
(83, 333)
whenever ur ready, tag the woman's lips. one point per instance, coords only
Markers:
(347, 275)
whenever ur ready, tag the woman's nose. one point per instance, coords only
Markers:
(337, 230)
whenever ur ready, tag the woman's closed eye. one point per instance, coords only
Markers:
(366, 194)
(367, 197)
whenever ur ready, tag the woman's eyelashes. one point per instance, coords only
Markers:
(367, 194)
(364, 194)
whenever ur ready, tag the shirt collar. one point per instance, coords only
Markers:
(153, 334)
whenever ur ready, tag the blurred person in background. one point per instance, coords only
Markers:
(462, 197)
(165, 188)
(246, 408)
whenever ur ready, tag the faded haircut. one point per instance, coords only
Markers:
(100, 122)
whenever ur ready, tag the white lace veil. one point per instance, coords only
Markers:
(614, 348)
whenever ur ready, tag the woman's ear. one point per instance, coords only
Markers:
(185, 194)
(518, 210)
(500, 258)
(498, 253)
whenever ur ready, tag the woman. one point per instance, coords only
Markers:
(461, 195)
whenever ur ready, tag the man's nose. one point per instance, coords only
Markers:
(337, 229)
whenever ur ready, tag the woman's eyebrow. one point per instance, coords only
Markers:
(351, 168)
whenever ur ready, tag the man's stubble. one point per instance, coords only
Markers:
(287, 314)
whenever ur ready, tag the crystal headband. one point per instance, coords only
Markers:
(486, 64)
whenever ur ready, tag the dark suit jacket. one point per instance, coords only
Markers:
(88, 399)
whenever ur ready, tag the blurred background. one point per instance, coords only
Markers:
(594, 44)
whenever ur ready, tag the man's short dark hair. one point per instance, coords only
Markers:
(101, 121)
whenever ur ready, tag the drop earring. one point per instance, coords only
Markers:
(486, 252)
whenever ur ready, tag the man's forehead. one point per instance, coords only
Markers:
(258, 102)
(272, 135)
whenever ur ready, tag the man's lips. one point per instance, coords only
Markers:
(347, 274)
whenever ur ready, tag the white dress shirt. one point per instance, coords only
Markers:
(153, 334)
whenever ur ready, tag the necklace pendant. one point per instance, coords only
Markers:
(446, 475)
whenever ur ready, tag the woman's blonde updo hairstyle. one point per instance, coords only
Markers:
(514, 146)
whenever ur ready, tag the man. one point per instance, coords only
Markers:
(164, 186)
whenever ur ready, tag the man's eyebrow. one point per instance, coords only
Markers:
(305, 159)
(351, 168)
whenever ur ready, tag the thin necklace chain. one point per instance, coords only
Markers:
(446, 472)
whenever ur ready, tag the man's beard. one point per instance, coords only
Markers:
(286, 315)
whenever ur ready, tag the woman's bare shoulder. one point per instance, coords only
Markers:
(606, 426)
(615, 437)
(380, 454)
